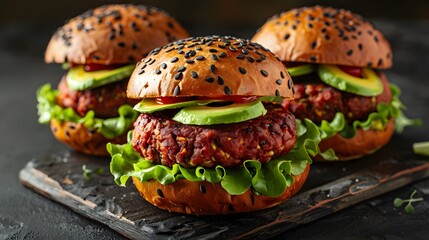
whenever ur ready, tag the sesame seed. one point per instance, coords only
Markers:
(250, 59)
(141, 71)
(176, 91)
(199, 58)
(158, 71)
(242, 70)
(327, 37)
(194, 74)
(212, 68)
(181, 69)
(209, 79)
(240, 56)
(323, 30)
(175, 59)
(289, 84)
(310, 25)
(121, 44)
(313, 58)
(286, 37)
(294, 27)
(264, 73)
(178, 76)
(232, 49)
(222, 55)
(163, 65)
(277, 93)
(279, 82)
(227, 90)
(212, 50)
(134, 46)
(376, 39)
(220, 80)
(349, 52)
(245, 51)
(313, 45)
(380, 62)
(360, 46)
(189, 61)
(214, 57)
(282, 74)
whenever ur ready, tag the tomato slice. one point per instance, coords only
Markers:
(170, 100)
(97, 67)
(236, 99)
(354, 71)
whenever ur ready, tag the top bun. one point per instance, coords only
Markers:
(113, 34)
(210, 66)
(325, 35)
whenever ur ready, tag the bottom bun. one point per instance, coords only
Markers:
(363, 143)
(82, 139)
(205, 198)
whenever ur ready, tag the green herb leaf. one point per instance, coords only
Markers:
(110, 128)
(408, 208)
(269, 179)
(421, 148)
(398, 202)
(88, 173)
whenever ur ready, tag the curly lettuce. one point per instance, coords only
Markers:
(375, 121)
(270, 179)
(48, 109)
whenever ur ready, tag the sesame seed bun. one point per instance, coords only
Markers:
(325, 35)
(210, 66)
(82, 139)
(113, 34)
(365, 142)
(204, 198)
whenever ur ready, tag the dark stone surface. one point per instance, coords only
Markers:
(26, 215)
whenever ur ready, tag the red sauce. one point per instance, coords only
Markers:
(354, 71)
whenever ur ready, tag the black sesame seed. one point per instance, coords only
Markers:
(245, 51)
(199, 48)
(159, 192)
(220, 80)
(199, 58)
(202, 188)
(349, 52)
(277, 93)
(289, 84)
(327, 37)
(212, 68)
(121, 44)
(190, 61)
(170, 25)
(112, 36)
(369, 64)
(240, 56)
(175, 59)
(250, 59)
(376, 39)
(158, 71)
(360, 46)
(286, 37)
(212, 50)
(282, 74)
(163, 65)
(313, 45)
(194, 74)
(221, 46)
(232, 49)
(178, 76)
(222, 55)
(176, 91)
(279, 82)
(323, 30)
(380, 62)
(134, 46)
(313, 58)
(264, 73)
(209, 79)
(327, 23)
(242, 70)
(227, 90)
(310, 25)
(214, 57)
(181, 69)
(294, 27)
(67, 134)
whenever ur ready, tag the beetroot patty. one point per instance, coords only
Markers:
(162, 140)
(321, 102)
(104, 100)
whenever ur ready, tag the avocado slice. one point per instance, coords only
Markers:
(369, 85)
(206, 115)
(301, 70)
(149, 105)
(79, 79)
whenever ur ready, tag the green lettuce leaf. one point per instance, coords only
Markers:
(376, 120)
(269, 179)
(48, 109)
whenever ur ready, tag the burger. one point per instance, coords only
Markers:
(336, 59)
(99, 49)
(212, 137)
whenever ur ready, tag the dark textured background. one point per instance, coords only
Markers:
(25, 28)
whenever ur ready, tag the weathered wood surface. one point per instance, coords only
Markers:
(330, 188)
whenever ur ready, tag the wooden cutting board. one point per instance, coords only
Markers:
(330, 188)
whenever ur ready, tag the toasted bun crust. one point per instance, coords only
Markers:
(364, 143)
(210, 66)
(113, 34)
(325, 35)
(80, 138)
(204, 198)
